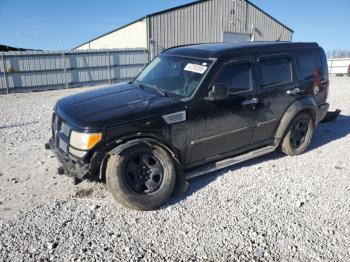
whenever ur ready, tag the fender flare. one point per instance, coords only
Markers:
(146, 140)
(307, 104)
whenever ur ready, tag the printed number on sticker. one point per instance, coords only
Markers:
(195, 68)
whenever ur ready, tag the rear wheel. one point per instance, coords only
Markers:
(298, 135)
(141, 176)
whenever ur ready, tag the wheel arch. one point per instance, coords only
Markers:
(121, 143)
(306, 104)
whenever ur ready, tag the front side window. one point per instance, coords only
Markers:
(238, 77)
(275, 71)
(174, 75)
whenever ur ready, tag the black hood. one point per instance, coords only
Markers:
(109, 105)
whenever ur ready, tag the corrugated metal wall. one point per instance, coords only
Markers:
(49, 70)
(206, 22)
(265, 28)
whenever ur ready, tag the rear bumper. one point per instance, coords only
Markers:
(322, 112)
(70, 167)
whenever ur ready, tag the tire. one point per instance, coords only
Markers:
(141, 176)
(300, 128)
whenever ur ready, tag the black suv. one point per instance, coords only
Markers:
(194, 109)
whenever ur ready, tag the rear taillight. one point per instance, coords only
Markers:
(316, 75)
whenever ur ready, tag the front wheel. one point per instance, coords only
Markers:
(298, 135)
(141, 176)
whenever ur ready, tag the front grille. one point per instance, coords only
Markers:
(60, 127)
(61, 132)
(63, 145)
(65, 129)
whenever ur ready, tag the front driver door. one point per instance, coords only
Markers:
(229, 123)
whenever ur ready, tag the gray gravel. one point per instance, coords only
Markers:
(274, 208)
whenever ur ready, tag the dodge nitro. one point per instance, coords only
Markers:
(193, 109)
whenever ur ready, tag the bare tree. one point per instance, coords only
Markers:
(338, 53)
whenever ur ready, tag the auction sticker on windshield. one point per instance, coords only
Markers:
(195, 68)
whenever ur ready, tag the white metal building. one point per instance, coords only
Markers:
(203, 21)
(338, 65)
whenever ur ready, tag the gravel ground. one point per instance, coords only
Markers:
(274, 208)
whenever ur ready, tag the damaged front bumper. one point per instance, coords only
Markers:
(70, 166)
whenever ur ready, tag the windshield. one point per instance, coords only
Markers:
(174, 75)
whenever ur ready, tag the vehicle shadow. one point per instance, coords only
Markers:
(323, 134)
(331, 131)
(198, 183)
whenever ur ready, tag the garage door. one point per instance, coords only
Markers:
(235, 37)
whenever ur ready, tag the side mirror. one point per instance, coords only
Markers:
(218, 91)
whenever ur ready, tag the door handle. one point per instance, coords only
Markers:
(250, 101)
(293, 91)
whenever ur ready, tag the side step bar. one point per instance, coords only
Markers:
(202, 170)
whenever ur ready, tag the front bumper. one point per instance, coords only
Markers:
(322, 112)
(70, 167)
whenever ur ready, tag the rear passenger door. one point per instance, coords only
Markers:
(277, 89)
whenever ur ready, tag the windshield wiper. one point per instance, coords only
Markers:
(160, 91)
(155, 87)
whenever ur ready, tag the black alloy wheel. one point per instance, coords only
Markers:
(298, 133)
(141, 175)
(144, 173)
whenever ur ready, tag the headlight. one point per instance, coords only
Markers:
(84, 141)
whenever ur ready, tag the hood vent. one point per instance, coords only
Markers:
(175, 117)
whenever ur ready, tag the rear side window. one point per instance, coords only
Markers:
(308, 63)
(275, 70)
(238, 77)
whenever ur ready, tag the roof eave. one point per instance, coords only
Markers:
(288, 28)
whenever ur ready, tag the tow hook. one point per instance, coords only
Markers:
(47, 146)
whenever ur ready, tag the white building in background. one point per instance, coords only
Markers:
(133, 35)
(338, 65)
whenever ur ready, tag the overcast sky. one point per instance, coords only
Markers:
(63, 24)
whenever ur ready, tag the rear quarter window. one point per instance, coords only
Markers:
(308, 62)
